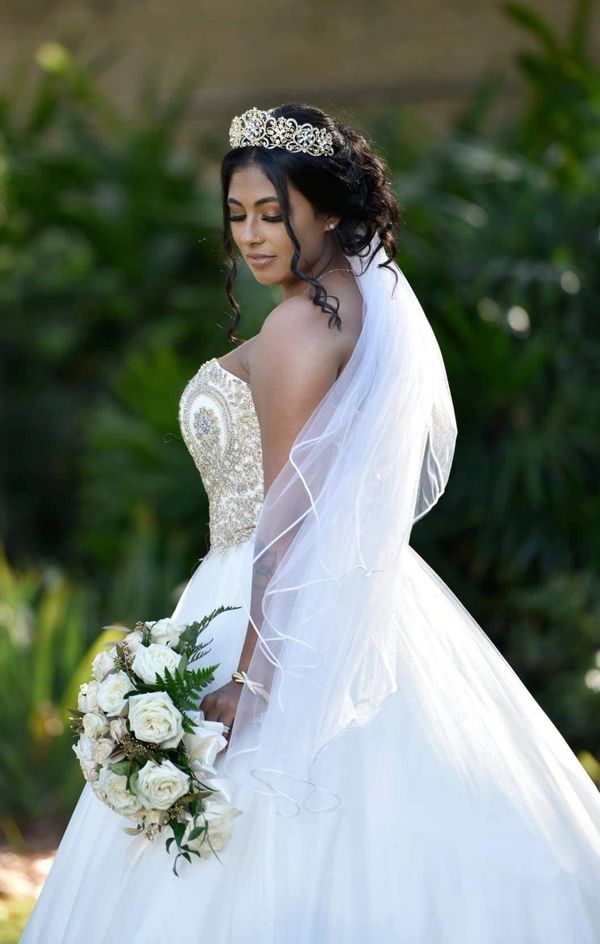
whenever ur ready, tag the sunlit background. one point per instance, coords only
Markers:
(113, 119)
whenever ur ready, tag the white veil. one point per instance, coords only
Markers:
(332, 533)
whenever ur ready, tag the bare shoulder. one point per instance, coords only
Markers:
(295, 342)
(295, 337)
(301, 317)
(293, 365)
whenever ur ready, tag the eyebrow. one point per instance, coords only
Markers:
(257, 203)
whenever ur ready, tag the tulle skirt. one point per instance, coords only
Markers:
(417, 852)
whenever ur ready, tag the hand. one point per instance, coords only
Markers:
(221, 705)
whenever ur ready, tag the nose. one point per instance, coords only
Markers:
(251, 233)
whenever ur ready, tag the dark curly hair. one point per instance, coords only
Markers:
(354, 183)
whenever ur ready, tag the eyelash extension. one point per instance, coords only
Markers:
(271, 219)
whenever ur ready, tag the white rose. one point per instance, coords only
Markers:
(151, 817)
(205, 742)
(111, 692)
(89, 769)
(95, 724)
(102, 749)
(84, 748)
(112, 788)
(87, 700)
(153, 717)
(160, 785)
(219, 820)
(166, 631)
(133, 639)
(152, 659)
(103, 664)
(83, 751)
(118, 729)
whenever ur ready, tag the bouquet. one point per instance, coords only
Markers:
(139, 749)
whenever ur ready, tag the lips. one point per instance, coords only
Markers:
(264, 256)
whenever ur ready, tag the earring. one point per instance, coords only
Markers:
(332, 226)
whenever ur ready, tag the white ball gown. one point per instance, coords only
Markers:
(415, 854)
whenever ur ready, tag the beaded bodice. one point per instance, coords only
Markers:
(220, 428)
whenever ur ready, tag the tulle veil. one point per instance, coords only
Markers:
(351, 615)
(373, 457)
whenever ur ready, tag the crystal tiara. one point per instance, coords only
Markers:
(256, 127)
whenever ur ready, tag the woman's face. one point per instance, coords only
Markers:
(257, 227)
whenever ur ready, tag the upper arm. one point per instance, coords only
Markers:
(294, 363)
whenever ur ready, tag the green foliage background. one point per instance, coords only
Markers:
(111, 295)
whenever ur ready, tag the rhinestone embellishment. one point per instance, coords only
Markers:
(259, 128)
(204, 421)
(220, 428)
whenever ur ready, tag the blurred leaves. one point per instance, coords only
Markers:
(105, 250)
(42, 641)
(135, 457)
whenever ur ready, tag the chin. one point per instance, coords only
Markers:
(266, 278)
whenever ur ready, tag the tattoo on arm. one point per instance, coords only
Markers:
(263, 570)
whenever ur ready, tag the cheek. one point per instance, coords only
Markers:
(310, 238)
(281, 243)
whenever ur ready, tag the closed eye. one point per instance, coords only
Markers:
(270, 219)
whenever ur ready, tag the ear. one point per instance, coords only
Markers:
(331, 222)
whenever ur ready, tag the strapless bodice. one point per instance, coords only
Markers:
(220, 428)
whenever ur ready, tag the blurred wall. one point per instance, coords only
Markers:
(425, 54)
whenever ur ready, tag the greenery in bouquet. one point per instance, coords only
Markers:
(138, 746)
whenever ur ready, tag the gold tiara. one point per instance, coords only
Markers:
(256, 127)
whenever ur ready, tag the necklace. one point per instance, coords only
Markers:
(333, 270)
(327, 273)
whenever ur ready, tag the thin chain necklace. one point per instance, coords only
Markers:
(333, 270)
(326, 273)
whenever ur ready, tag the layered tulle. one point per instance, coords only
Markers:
(373, 457)
(456, 827)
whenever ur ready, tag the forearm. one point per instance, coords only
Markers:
(267, 554)
(247, 649)
(263, 570)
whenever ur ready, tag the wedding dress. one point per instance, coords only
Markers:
(415, 853)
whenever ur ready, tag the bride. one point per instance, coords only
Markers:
(396, 779)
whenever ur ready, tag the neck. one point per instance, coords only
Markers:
(330, 258)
